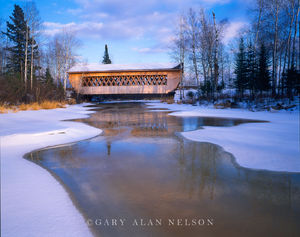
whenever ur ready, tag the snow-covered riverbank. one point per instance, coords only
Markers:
(270, 146)
(33, 203)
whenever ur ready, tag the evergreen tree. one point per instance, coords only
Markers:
(251, 69)
(263, 77)
(106, 59)
(48, 78)
(60, 91)
(291, 82)
(16, 30)
(241, 69)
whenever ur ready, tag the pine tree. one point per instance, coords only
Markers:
(291, 82)
(263, 77)
(16, 30)
(106, 59)
(60, 91)
(241, 69)
(251, 69)
(48, 78)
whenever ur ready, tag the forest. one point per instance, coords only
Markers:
(33, 68)
(263, 62)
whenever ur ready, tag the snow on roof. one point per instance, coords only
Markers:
(122, 67)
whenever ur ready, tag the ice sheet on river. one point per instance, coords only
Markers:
(269, 146)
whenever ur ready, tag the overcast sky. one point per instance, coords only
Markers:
(135, 30)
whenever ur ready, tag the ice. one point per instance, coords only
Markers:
(268, 146)
(33, 202)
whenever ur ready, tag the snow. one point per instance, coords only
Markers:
(121, 67)
(33, 202)
(185, 93)
(273, 145)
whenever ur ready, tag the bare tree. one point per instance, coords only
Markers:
(179, 47)
(26, 54)
(276, 4)
(260, 6)
(62, 55)
(70, 44)
(206, 45)
(2, 49)
(216, 49)
(297, 8)
(34, 25)
(193, 41)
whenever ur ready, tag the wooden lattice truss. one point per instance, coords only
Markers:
(128, 80)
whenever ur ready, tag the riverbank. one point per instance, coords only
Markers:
(33, 203)
(270, 146)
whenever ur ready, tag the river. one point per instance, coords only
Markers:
(142, 178)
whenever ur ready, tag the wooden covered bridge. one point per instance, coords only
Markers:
(129, 79)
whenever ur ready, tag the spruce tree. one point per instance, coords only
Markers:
(241, 69)
(291, 82)
(48, 78)
(15, 32)
(106, 59)
(251, 69)
(263, 77)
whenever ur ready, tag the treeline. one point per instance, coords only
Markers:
(264, 63)
(33, 69)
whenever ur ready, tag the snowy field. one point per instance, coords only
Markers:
(33, 203)
(267, 146)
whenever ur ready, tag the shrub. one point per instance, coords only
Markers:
(190, 94)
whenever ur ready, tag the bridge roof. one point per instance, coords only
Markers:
(123, 67)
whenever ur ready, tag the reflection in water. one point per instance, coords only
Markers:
(140, 168)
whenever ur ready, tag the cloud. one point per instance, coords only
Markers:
(213, 2)
(153, 25)
(154, 49)
(142, 50)
(232, 30)
(52, 28)
(152, 21)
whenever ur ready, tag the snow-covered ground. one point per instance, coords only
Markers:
(33, 203)
(269, 146)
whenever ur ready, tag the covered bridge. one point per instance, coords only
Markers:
(120, 79)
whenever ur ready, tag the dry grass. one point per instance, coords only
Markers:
(72, 101)
(3, 109)
(52, 105)
(32, 106)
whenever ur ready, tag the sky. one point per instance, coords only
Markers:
(136, 31)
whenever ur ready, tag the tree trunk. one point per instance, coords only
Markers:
(66, 66)
(288, 49)
(295, 34)
(258, 22)
(195, 57)
(274, 72)
(31, 64)
(280, 76)
(26, 55)
(216, 63)
(298, 61)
